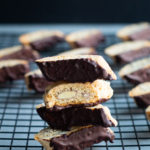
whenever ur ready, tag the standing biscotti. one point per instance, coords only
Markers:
(77, 138)
(85, 38)
(78, 68)
(77, 116)
(36, 81)
(19, 52)
(13, 69)
(137, 71)
(128, 51)
(139, 31)
(141, 94)
(42, 40)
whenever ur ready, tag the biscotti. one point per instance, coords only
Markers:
(85, 38)
(77, 116)
(139, 31)
(77, 94)
(13, 69)
(76, 139)
(41, 40)
(141, 94)
(148, 112)
(128, 51)
(77, 68)
(80, 51)
(19, 52)
(36, 81)
(137, 71)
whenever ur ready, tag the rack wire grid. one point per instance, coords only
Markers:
(19, 120)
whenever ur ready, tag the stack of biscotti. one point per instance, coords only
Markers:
(72, 106)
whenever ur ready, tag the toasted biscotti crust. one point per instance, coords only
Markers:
(85, 38)
(125, 32)
(77, 68)
(80, 116)
(13, 69)
(37, 35)
(80, 51)
(76, 94)
(77, 138)
(19, 52)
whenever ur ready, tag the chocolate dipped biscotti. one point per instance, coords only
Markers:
(78, 68)
(13, 69)
(77, 116)
(85, 38)
(19, 52)
(141, 94)
(137, 71)
(42, 40)
(138, 31)
(80, 51)
(77, 138)
(128, 51)
(77, 94)
(36, 81)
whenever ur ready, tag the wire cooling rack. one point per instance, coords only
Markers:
(19, 120)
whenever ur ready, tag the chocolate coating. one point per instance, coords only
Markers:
(142, 101)
(73, 70)
(141, 35)
(66, 118)
(38, 83)
(92, 41)
(82, 138)
(132, 55)
(45, 43)
(24, 53)
(13, 73)
(140, 76)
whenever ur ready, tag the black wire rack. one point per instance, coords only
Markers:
(19, 120)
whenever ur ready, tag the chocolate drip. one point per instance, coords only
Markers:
(45, 43)
(77, 70)
(141, 35)
(132, 55)
(13, 73)
(140, 76)
(81, 139)
(68, 117)
(142, 101)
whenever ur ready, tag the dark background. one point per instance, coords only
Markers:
(74, 11)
